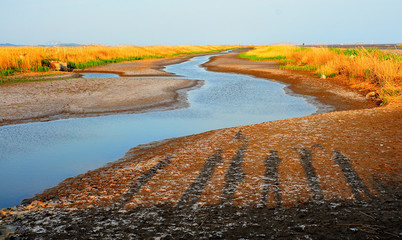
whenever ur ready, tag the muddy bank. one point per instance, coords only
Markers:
(146, 67)
(65, 95)
(336, 220)
(327, 92)
(335, 174)
(80, 97)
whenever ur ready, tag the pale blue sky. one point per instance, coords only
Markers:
(174, 22)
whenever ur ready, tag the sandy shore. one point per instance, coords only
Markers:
(80, 97)
(334, 175)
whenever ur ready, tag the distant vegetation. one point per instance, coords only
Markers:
(364, 69)
(37, 59)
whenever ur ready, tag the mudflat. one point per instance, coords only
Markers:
(80, 97)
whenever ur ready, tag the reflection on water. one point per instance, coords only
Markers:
(36, 156)
(99, 75)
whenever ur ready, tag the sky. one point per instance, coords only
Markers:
(200, 22)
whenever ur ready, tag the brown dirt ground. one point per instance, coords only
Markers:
(333, 175)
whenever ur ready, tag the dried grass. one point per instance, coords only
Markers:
(365, 69)
(25, 59)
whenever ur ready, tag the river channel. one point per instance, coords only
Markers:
(36, 156)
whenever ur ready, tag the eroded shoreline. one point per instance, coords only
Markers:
(140, 68)
(79, 97)
(323, 92)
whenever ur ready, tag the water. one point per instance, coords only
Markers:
(99, 75)
(36, 156)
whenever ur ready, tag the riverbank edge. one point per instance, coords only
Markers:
(178, 101)
(158, 65)
(326, 95)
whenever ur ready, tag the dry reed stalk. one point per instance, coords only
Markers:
(365, 69)
(23, 59)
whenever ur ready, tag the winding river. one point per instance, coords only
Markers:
(36, 156)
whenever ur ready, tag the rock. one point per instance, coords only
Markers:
(38, 229)
(8, 230)
(3, 212)
(59, 66)
(323, 76)
(372, 95)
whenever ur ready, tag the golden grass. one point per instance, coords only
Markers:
(364, 69)
(25, 59)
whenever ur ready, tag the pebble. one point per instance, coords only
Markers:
(8, 230)
(372, 95)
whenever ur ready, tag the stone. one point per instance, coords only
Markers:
(372, 95)
(323, 76)
(59, 66)
(8, 230)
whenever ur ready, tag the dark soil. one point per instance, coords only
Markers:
(378, 218)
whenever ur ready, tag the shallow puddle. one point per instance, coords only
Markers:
(36, 156)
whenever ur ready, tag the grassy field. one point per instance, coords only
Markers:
(36, 59)
(363, 69)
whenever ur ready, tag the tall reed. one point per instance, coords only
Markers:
(365, 69)
(24, 59)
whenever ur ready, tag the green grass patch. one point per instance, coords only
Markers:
(10, 71)
(39, 69)
(326, 75)
(4, 80)
(332, 75)
(351, 52)
(307, 67)
(300, 49)
(256, 58)
(357, 52)
(287, 61)
(199, 52)
(99, 62)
